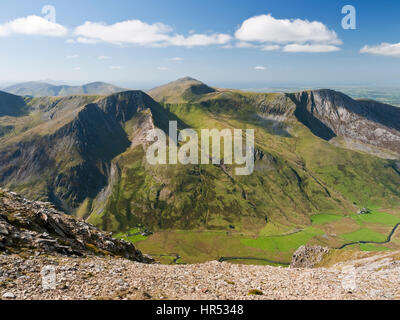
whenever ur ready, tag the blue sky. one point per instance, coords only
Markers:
(219, 42)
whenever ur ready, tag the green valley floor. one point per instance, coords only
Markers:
(273, 245)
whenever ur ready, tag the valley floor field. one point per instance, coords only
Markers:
(335, 231)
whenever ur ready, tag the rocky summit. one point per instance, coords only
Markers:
(35, 227)
(350, 275)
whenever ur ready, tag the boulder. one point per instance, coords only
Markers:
(308, 256)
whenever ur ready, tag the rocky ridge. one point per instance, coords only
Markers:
(35, 227)
(329, 113)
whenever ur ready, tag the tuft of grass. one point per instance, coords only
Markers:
(255, 292)
(96, 250)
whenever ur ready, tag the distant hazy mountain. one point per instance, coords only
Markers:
(42, 89)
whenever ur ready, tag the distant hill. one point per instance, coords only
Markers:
(42, 89)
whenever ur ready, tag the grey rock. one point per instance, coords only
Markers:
(9, 295)
(38, 227)
(308, 257)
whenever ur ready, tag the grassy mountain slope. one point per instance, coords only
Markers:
(87, 155)
(288, 186)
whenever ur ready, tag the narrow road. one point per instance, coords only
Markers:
(222, 259)
(389, 238)
(174, 255)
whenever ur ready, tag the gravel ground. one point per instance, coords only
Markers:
(116, 278)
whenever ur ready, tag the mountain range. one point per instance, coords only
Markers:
(42, 89)
(315, 152)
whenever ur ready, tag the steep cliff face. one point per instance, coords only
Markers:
(69, 160)
(329, 113)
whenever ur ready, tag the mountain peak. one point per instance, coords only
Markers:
(186, 79)
(181, 90)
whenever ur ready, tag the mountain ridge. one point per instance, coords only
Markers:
(86, 155)
(40, 89)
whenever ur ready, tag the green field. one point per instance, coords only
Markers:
(364, 234)
(133, 235)
(197, 246)
(283, 243)
(324, 218)
(377, 217)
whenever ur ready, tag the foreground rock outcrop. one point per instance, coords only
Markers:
(34, 227)
(308, 257)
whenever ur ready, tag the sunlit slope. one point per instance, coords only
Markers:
(297, 174)
(86, 154)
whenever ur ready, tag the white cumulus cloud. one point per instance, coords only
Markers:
(137, 32)
(176, 59)
(86, 40)
(265, 28)
(242, 44)
(32, 25)
(296, 35)
(271, 47)
(260, 68)
(384, 49)
(310, 48)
